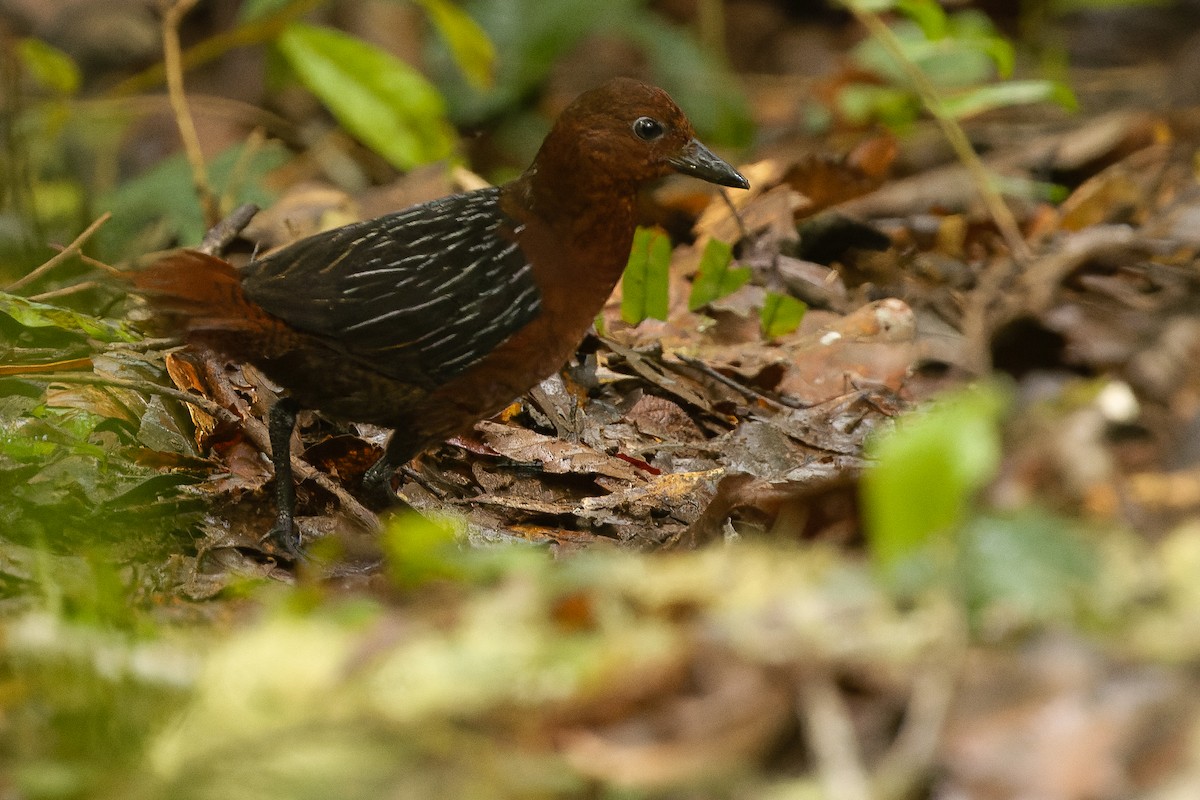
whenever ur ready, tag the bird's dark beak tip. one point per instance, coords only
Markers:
(698, 161)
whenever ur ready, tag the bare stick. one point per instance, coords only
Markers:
(173, 63)
(220, 235)
(831, 737)
(64, 254)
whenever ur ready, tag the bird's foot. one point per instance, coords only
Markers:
(285, 537)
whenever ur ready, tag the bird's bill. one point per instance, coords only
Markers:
(698, 161)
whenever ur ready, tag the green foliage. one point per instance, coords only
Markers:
(644, 286)
(531, 36)
(381, 100)
(421, 549)
(48, 66)
(41, 315)
(926, 474)
(1029, 565)
(780, 315)
(714, 277)
(960, 54)
(472, 50)
(159, 207)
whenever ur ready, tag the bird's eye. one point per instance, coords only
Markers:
(647, 128)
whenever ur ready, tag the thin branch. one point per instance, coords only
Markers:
(999, 210)
(72, 249)
(832, 738)
(146, 387)
(220, 235)
(252, 33)
(173, 63)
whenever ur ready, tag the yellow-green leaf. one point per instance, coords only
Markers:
(49, 66)
(384, 102)
(472, 49)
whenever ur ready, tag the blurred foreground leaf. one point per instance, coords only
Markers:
(927, 471)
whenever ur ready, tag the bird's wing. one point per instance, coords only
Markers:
(423, 293)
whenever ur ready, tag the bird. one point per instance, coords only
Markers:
(429, 319)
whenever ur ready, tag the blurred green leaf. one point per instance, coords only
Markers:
(421, 549)
(384, 102)
(49, 66)
(928, 15)
(927, 470)
(1010, 93)
(158, 207)
(644, 286)
(698, 82)
(40, 315)
(472, 50)
(1028, 566)
(781, 314)
(531, 36)
(714, 278)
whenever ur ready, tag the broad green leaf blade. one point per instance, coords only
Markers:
(644, 284)
(715, 279)
(49, 66)
(384, 102)
(469, 45)
(927, 471)
(41, 315)
(781, 314)
(1010, 93)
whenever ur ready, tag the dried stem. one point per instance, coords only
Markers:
(72, 249)
(173, 63)
(832, 738)
(999, 210)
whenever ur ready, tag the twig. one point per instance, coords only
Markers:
(173, 63)
(725, 380)
(220, 235)
(252, 33)
(999, 210)
(147, 387)
(68, 251)
(831, 737)
(63, 291)
(907, 764)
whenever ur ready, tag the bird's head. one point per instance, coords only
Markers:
(626, 133)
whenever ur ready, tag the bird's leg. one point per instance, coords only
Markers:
(377, 481)
(280, 423)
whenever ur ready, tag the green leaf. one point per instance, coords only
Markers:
(715, 279)
(41, 315)
(927, 471)
(469, 45)
(928, 15)
(1029, 564)
(159, 207)
(781, 314)
(384, 102)
(644, 284)
(1010, 93)
(49, 66)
